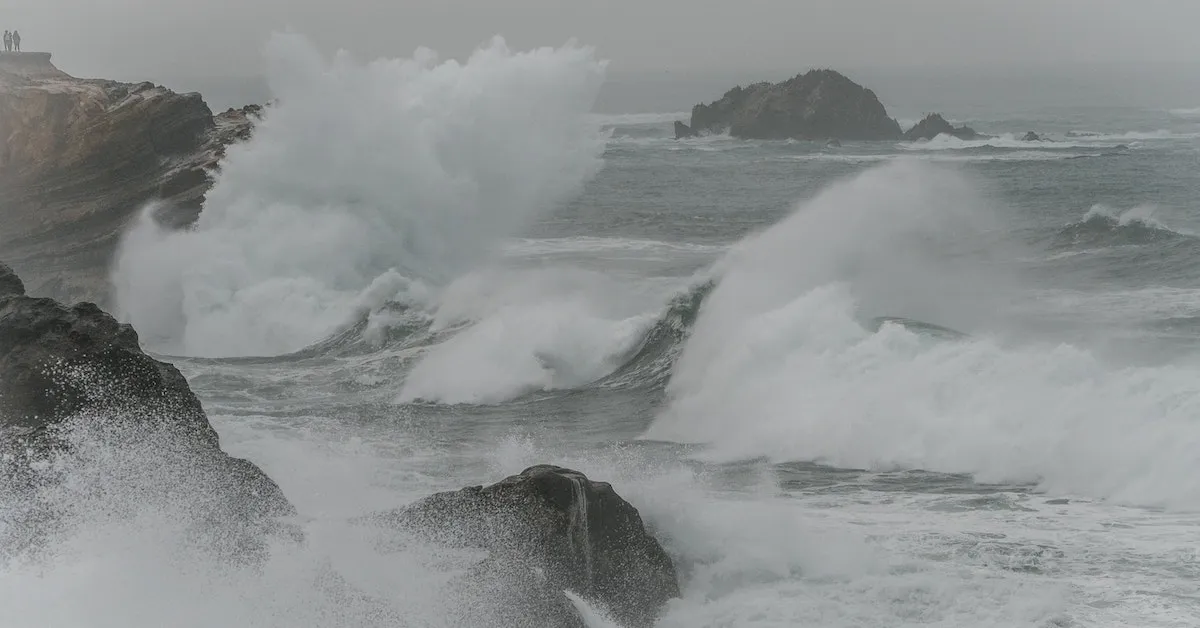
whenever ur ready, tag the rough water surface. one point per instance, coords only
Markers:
(747, 339)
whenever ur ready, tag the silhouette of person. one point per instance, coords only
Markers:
(7, 41)
(17, 41)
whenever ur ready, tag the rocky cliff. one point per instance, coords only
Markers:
(819, 105)
(81, 156)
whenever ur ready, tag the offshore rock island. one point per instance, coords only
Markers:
(818, 105)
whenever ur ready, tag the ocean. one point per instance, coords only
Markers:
(948, 383)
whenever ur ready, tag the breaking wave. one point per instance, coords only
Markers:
(1103, 225)
(779, 364)
(366, 183)
(1011, 141)
(547, 330)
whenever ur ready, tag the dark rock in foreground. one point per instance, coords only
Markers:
(683, 131)
(547, 530)
(819, 105)
(76, 368)
(1032, 137)
(934, 125)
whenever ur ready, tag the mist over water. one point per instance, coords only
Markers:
(486, 275)
(361, 182)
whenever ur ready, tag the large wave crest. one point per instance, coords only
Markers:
(363, 183)
(780, 364)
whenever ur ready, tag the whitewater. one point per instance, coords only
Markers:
(878, 385)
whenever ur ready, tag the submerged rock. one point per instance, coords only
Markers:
(821, 104)
(683, 131)
(549, 530)
(833, 144)
(76, 368)
(934, 125)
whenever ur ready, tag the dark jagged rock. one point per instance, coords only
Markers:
(1032, 137)
(10, 283)
(683, 131)
(547, 530)
(833, 144)
(934, 125)
(70, 367)
(81, 156)
(821, 104)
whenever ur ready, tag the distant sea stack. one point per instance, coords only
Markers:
(683, 131)
(819, 105)
(83, 156)
(934, 125)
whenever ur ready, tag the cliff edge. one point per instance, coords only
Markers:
(81, 156)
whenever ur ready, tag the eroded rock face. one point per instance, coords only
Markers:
(76, 368)
(81, 156)
(819, 105)
(683, 131)
(546, 530)
(934, 125)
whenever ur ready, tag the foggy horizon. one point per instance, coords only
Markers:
(906, 92)
(135, 37)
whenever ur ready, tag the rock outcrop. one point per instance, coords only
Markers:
(10, 283)
(819, 105)
(934, 125)
(547, 530)
(63, 368)
(683, 131)
(81, 156)
(1032, 137)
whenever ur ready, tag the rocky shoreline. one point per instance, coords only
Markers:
(71, 370)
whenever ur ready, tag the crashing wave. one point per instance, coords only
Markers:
(1103, 225)
(364, 184)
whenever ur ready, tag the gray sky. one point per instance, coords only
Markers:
(148, 38)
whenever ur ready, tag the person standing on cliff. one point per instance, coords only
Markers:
(16, 41)
(7, 41)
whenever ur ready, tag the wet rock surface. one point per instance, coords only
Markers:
(545, 531)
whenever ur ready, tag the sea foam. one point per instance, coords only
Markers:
(780, 364)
